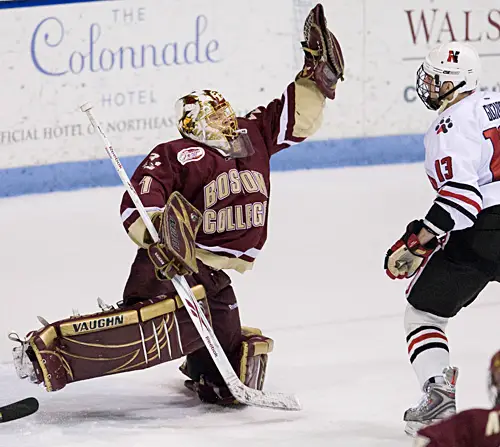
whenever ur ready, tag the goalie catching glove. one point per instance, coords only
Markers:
(324, 62)
(175, 253)
(404, 258)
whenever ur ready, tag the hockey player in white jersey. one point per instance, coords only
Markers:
(453, 252)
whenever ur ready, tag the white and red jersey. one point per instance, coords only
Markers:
(462, 161)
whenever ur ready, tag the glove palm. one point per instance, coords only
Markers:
(405, 257)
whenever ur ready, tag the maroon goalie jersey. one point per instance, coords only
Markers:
(232, 194)
(471, 428)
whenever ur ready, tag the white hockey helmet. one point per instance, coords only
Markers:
(455, 62)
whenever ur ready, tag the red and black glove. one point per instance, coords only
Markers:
(404, 258)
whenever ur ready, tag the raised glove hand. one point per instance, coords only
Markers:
(324, 63)
(175, 253)
(404, 258)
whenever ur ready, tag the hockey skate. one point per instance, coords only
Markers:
(23, 359)
(438, 402)
(23, 356)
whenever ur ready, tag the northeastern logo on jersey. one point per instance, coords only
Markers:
(190, 154)
(444, 126)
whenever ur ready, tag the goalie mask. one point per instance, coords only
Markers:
(454, 62)
(205, 116)
(494, 378)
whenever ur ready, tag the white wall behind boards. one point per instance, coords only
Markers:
(134, 58)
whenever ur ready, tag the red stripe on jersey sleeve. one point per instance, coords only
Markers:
(462, 198)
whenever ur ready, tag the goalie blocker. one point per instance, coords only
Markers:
(127, 339)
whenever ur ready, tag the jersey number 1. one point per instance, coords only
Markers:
(146, 184)
(493, 134)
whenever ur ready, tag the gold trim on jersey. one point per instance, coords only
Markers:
(219, 262)
(137, 231)
(309, 104)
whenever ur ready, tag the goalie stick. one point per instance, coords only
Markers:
(18, 410)
(240, 391)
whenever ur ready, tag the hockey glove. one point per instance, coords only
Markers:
(175, 253)
(323, 62)
(404, 258)
(165, 264)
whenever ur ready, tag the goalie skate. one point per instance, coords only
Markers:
(22, 363)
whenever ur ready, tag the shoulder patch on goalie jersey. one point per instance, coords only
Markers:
(190, 154)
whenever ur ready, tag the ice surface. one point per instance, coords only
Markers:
(318, 289)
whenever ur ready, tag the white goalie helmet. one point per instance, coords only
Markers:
(454, 62)
(207, 117)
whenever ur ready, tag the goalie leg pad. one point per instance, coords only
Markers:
(254, 351)
(252, 366)
(137, 337)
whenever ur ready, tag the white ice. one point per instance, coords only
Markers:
(318, 289)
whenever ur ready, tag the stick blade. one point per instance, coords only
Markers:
(264, 399)
(18, 410)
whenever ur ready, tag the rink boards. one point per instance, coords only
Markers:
(132, 59)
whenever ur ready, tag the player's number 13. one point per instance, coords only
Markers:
(444, 169)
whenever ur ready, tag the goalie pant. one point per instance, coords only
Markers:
(221, 301)
(471, 428)
(136, 337)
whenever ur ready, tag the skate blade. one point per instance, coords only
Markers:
(412, 428)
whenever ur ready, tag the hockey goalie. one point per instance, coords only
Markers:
(207, 194)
